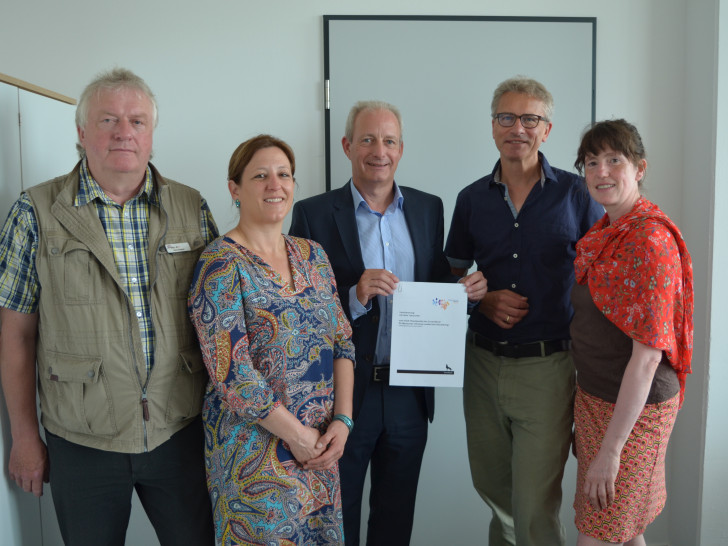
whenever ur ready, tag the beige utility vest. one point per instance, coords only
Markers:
(91, 366)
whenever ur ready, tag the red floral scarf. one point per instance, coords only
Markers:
(641, 277)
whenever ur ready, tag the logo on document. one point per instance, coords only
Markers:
(439, 302)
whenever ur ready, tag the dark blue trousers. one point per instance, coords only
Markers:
(92, 491)
(390, 432)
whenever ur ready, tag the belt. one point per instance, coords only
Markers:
(524, 350)
(380, 373)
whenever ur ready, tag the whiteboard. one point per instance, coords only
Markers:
(441, 73)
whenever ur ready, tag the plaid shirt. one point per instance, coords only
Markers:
(126, 227)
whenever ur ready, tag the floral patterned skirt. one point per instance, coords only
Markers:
(640, 491)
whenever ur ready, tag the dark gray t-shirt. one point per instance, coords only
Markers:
(601, 352)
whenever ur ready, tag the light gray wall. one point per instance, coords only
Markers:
(714, 529)
(225, 70)
(696, 121)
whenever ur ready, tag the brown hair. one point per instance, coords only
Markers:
(616, 134)
(245, 152)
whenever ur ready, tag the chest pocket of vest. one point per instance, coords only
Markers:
(75, 273)
(178, 267)
(82, 398)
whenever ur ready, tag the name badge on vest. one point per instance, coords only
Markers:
(173, 248)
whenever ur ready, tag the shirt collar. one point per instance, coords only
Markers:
(89, 190)
(359, 201)
(547, 172)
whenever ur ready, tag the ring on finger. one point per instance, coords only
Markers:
(508, 319)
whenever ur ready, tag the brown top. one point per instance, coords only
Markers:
(601, 352)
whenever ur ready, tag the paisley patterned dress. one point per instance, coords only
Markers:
(266, 344)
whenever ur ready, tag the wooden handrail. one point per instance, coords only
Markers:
(36, 89)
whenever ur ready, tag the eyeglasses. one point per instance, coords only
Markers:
(529, 121)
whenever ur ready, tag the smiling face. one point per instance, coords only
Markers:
(118, 133)
(265, 189)
(375, 149)
(517, 143)
(613, 180)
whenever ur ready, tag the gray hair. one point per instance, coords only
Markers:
(525, 86)
(112, 80)
(363, 105)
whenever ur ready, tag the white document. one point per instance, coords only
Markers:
(429, 323)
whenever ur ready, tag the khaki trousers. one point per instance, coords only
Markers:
(519, 416)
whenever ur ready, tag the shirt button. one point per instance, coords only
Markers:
(513, 285)
(515, 225)
(130, 247)
(139, 314)
(515, 255)
(133, 279)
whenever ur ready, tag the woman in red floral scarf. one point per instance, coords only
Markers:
(632, 341)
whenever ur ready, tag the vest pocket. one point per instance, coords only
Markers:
(187, 388)
(75, 272)
(81, 394)
(178, 267)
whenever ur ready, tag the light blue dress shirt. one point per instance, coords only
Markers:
(385, 244)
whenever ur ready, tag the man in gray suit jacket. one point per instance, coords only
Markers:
(377, 233)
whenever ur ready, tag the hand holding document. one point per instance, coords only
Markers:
(429, 322)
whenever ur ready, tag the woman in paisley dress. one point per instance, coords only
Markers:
(632, 336)
(277, 347)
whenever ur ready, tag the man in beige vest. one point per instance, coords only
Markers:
(96, 266)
